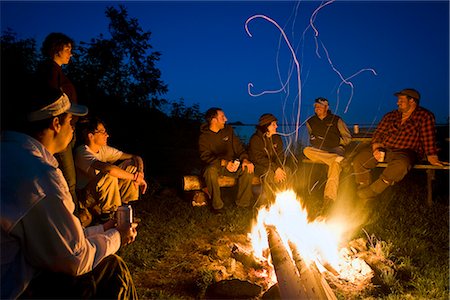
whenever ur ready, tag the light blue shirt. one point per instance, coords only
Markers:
(37, 211)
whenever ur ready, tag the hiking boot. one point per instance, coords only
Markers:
(372, 190)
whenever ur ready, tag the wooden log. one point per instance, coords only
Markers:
(288, 277)
(195, 183)
(316, 287)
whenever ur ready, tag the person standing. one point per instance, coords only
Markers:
(57, 51)
(402, 137)
(266, 151)
(45, 251)
(102, 185)
(328, 136)
(220, 149)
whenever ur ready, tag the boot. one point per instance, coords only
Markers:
(373, 190)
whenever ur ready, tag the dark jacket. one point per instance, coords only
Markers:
(224, 144)
(266, 152)
(50, 74)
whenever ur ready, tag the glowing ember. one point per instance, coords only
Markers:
(317, 241)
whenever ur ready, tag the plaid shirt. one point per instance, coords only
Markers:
(418, 133)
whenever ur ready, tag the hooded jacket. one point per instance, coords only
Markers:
(224, 144)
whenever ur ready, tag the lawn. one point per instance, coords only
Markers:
(181, 250)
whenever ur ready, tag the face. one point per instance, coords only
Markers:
(272, 128)
(63, 56)
(221, 119)
(65, 133)
(320, 110)
(404, 104)
(99, 136)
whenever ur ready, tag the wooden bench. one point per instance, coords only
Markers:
(196, 183)
(430, 170)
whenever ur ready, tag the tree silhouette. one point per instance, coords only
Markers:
(119, 70)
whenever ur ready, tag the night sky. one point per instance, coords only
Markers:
(208, 58)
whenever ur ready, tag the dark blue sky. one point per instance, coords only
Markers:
(208, 58)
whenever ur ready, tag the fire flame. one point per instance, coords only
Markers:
(317, 241)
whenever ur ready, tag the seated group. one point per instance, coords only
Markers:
(403, 137)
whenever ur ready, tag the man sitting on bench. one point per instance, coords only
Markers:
(401, 138)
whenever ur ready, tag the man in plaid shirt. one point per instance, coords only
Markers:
(403, 137)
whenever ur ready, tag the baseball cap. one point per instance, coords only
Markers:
(322, 101)
(410, 93)
(53, 103)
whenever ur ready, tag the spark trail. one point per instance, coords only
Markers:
(294, 57)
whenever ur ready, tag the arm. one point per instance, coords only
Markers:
(346, 136)
(206, 155)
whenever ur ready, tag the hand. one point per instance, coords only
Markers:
(434, 160)
(249, 165)
(377, 154)
(140, 181)
(232, 166)
(128, 233)
(280, 175)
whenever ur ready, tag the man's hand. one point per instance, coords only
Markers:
(378, 155)
(127, 233)
(249, 165)
(232, 166)
(434, 160)
(280, 175)
(139, 181)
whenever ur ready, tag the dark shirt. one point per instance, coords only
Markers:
(224, 144)
(266, 153)
(49, 73)
(418, 133)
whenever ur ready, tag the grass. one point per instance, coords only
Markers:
(181, 250)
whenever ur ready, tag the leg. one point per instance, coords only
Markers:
(110, 279)
(362, 165)
(244, 195)
(128, 190)
(334, 169)
(102, 194)
(67, 166)
(211, 176)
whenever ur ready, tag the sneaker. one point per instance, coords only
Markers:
(366, 193)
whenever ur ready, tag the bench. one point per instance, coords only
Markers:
(430, 170)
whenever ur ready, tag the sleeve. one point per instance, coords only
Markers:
(84, 159)
(428, 134)
(206, 155)
(110, 154)
(346, 136)
(258, 152)
(60, 243)
(280, 152)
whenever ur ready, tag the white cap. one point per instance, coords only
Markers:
(59, 106)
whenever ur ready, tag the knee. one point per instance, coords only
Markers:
(211, 172)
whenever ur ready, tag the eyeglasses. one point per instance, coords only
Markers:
(104, 132)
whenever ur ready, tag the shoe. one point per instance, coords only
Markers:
(372, 190)
(366, 193)
(106, 216)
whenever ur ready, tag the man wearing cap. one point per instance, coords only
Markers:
(222, 153)
(328, 136)
(45, 252)
(402, 137)
(266, 151)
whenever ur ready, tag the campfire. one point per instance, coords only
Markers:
(302, 253)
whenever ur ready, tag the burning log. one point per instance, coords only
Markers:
(296, 281)
(289, 283)
(192, 182)
(315, 285)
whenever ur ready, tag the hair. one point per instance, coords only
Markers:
(54, 43)
(211, 114)
(36, 127)
(86, 126)
(263, 128)
(415, 100)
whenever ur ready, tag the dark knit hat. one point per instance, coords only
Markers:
(410, 93)
(266, 119)
(322, 101)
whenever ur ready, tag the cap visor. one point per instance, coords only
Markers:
(78, 110)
